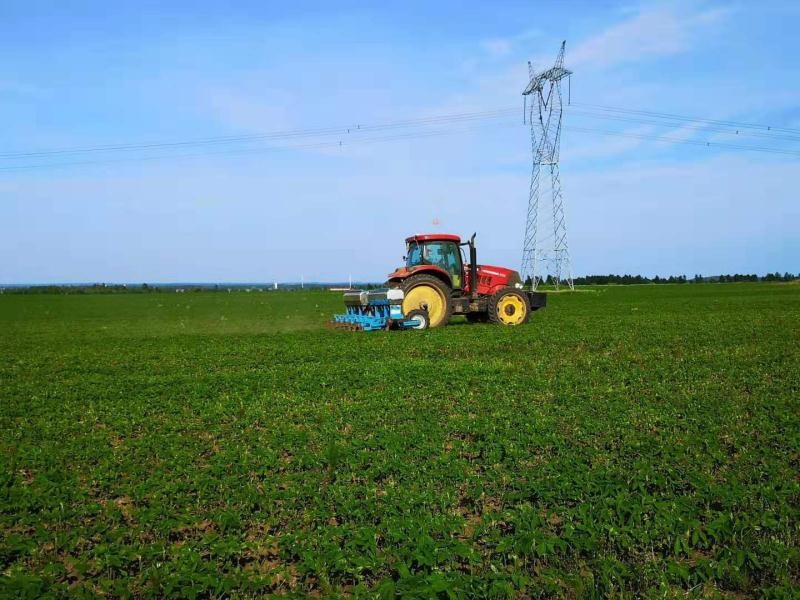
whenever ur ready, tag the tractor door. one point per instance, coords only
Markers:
(453, 265)
(445, 255)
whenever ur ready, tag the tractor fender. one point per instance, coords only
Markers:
(403, 273)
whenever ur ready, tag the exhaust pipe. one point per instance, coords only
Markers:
(473, 268)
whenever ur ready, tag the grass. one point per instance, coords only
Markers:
(639, 441)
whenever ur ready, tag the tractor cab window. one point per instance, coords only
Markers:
(414, 257)
(445, 255)
(433, 255)
(452, 262)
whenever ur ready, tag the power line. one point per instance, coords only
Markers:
(396, 137)
(275, 135)
(610, 112)
(360, 134)
(246, 151)
(673, 140)
(676, 123)
(740, 124)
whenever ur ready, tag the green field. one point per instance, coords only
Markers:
(639, 441)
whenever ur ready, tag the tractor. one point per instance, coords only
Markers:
(438, 282)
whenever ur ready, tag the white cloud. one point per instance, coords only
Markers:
(701, 216)
(685, 133)
(501, 47)
(248, 113)
(664, 31)
(604, 147)
(497, 47)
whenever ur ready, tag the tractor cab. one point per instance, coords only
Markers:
(437, 250)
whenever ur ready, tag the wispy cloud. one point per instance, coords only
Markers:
(252, 113)
(504, 46)
(603, 146)
(497, 47)
(652, 33)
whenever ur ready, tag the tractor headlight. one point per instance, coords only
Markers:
(518, 285)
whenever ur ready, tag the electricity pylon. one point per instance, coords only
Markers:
(546, 255)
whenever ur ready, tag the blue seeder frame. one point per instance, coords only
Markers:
(377, 314)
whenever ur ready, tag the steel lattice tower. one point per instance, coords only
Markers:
(548, 254)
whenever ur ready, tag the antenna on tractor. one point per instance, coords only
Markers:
(547, 255)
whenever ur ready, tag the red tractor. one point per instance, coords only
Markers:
(438, 282)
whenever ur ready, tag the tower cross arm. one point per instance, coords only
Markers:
(534, 85)
(555, 74)
(552, 75)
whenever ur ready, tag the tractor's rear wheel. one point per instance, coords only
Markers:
(509, 306)
(428, 293)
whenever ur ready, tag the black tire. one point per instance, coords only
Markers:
(477, 317)
(429, 280)
(420, 315)
(501, 302)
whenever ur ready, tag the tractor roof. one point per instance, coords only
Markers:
(433, 237)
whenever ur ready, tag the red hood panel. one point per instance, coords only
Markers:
(492, 278)
(492, 271)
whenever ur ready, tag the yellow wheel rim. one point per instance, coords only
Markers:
(511, 309)
(429, 298)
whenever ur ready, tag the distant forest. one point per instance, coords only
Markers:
(641, 279)
(144, 288)
(634, 279)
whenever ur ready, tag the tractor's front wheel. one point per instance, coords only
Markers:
(509, 306)
(428, 293)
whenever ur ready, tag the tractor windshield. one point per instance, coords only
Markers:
(427, 253)
(445, 255)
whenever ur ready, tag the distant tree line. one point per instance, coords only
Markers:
(641, 279)
(97, 288)
(144, 288)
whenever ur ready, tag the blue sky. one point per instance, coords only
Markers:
(89, 74)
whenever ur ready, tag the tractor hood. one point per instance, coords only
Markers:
(495, 277)
(499, 274)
